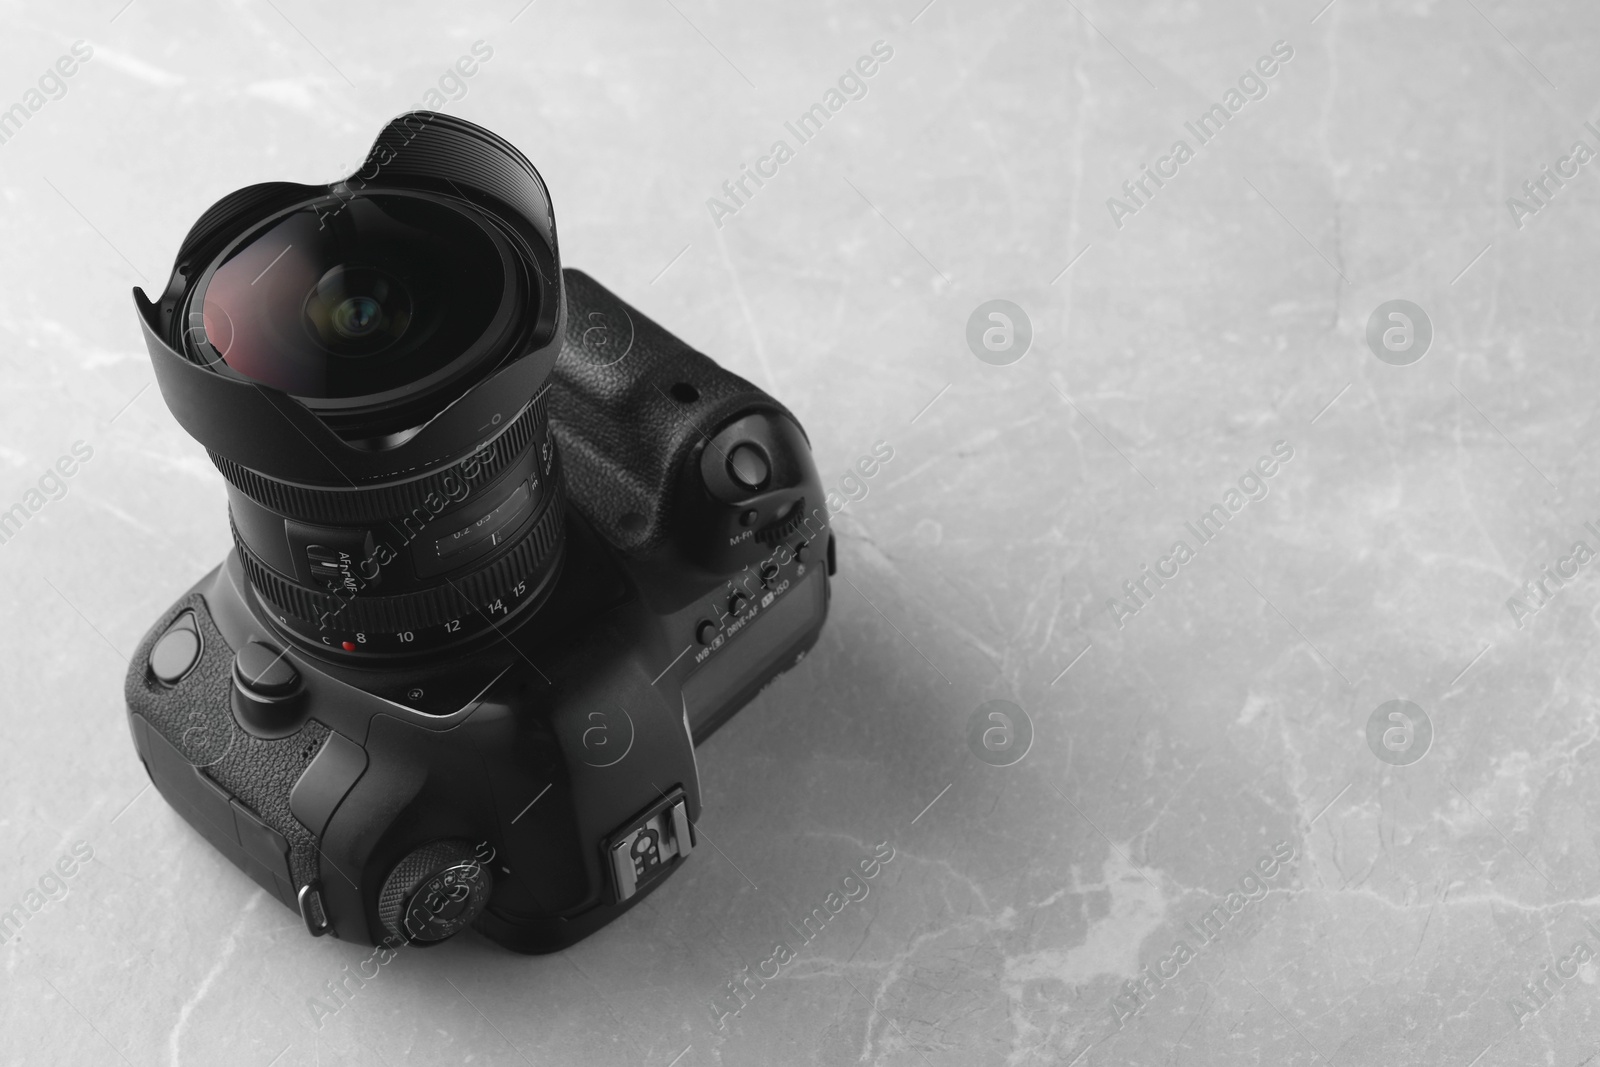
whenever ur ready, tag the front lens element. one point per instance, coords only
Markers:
(357, 312)
(357, 298)
(357, 316)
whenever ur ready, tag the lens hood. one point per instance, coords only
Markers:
(279, 436)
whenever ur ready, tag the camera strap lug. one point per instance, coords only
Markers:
(312, 911)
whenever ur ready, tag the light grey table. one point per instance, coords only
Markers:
(1201, 772)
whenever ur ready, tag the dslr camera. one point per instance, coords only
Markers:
(505, 552)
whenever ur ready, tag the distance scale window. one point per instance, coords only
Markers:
(505, 522)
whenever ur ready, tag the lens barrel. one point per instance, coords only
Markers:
(411, 564)
(365, 363)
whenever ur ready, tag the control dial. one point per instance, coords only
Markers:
(434, 892)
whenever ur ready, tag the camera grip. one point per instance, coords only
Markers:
(629, 405)
(232, 787)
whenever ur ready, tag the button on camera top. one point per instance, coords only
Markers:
(267, 699)
(749, 466)
(435, 892)
(265, 671)
(177, 651)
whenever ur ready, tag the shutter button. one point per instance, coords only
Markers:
(266, 688)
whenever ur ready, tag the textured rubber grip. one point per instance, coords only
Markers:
(631, 404)
(195, 718)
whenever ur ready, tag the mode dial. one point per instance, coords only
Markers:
(434, 892)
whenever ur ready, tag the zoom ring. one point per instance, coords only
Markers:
(456, 599)
(381, 502)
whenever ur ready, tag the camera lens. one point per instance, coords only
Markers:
(357, 311)
(306, 302)
(357, 316)
(367, 311)
(365, 364)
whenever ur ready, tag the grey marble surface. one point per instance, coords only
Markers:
(1177, 338)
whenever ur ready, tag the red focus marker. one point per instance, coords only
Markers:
(349, 646)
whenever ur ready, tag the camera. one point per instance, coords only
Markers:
(505, 552)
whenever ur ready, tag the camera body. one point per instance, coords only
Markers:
(537, 777)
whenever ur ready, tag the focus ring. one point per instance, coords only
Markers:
(421, 609)
(382, 502)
